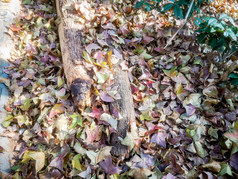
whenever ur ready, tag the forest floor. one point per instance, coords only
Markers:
(186, 109)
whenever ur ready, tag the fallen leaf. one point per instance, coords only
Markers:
(212, 166)
(95, 113)
(147, 161)
(102, 78)
(103, 154)
(159, 138)
(59, 160)
(105, 97)
(193, 99)
(57, 109)
(225, 169)
(91, 47)
(39, 157)
(108, 167)
(211, 91)
(234, 161)
(190, 109)
(109, 119)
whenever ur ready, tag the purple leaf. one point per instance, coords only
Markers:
(45, 59)
(169, 176)
(91, 47)
(107, 166)
(58, 161)
(159, 138)
(86, 173)
(230, 116)
(147, 39)
(52, 45)
(105, 97)
(190, 109)
(234, 161)
(146, 161)
(52, 58)
(160, 50)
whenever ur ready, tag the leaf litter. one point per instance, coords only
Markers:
(186, 112)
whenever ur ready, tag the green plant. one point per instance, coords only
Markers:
(179, 7)
(234, 78)
(219, 33)
(148, 4)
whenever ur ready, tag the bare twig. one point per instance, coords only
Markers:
(185, 21)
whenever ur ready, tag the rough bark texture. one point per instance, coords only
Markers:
(126, 109)
(125, 106)
(79, 80)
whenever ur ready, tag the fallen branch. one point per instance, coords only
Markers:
(79, 80)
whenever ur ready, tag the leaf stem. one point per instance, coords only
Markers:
(185, 21)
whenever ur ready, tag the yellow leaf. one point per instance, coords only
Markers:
(96, 92)
(180, 89)
(109, 56)
(76, 162)
(39, 157)
(87, 57)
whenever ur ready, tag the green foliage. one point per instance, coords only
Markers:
(149, 5)
(225, 169)
(234, 78)
(179, 7)
(219, 33)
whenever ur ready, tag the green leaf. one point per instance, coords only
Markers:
(171, 73)
(201, 38)
(213, 132)
(231, 34)
(7, 121)
(220, 42)
(167, 7)
(178, 12)
(182, 2)
(76, 162)
(213, 43)
(225, 16)
(197, 23)
(234, 81)
(218, 25)
(145, 55)
(147, 6)
(233, 75)
(77, 120)
(199, 149)
(26, 105)
(102, 78)
(139, 4)
(27, 2)
(146, 116)
(225, 169)
(199, 20)
(212, 21)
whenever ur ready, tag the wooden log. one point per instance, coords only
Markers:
(125, 107)
(79, 80)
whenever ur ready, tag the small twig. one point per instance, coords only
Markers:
(185, 21)
(227, 56)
